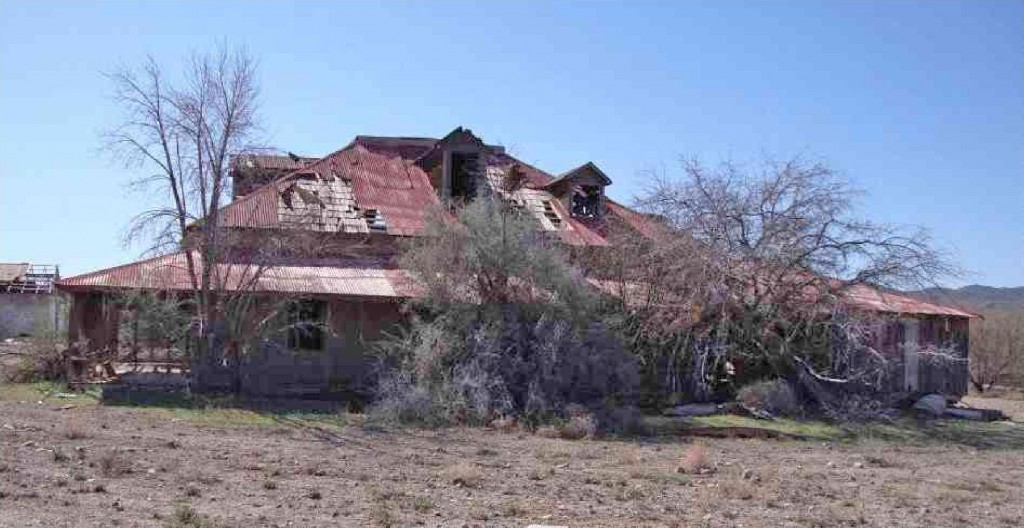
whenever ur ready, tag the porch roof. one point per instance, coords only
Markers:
(350, 277)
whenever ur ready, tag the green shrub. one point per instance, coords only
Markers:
(506, 328)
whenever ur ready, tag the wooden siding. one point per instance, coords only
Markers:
(933, 375)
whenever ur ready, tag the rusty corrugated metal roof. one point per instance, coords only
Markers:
(409, 148)
(355, 277)
(868, 298)
(384, 178)
(395, 187)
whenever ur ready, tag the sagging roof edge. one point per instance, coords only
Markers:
(933, 309)
(82, 288)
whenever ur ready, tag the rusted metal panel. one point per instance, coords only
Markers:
(367, 277)
(383, 178)
(400, 190)
(868, 298)
(258, 209)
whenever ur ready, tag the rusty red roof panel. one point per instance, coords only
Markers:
(868, 298)
(397, 188)
(257, 209)
(409, 148)
(357, 277)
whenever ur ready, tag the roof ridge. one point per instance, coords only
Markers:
(414, 138)
(534, 167)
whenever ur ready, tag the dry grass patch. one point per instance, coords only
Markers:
(881, 462)
(552, 452)
(659, 476)
(513, 510)
(633, 492)
(738, 489)
(464, 474)
(421, 504)
(59, 455)
(578, 427)
(113, 463)
(695, 460)
(381, 514)
(185, 516)
(505, 425)
(540, 473)
(548, 431)
(74, 429)
(316, 470)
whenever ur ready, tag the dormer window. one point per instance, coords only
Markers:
(581, 191)
(586, 201)
(464, 176)
(456, 166)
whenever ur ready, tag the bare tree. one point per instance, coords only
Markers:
(997, 346)
(185, 133)
(762, 259)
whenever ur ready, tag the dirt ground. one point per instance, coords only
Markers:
(68, 461)
(1011, 402)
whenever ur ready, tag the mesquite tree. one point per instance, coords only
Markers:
(762, 258)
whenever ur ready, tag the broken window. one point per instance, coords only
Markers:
(375, 220)
(586, 201)
(465, 172)
(307, 324)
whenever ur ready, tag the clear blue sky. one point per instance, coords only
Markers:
(919, 103)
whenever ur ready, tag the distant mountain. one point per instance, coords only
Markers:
(977, 297)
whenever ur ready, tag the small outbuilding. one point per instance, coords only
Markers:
(29, 305)
(925, 343)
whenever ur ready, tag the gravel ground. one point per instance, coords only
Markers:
(94, 465)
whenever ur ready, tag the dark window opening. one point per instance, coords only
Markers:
(307, 321)
(586, 201)
(375, 220)
(465, 175)
(551, 214)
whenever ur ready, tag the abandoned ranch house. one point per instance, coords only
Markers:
(372, 193)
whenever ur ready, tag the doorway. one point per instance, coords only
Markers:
(911, 358)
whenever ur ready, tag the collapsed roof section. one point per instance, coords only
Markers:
(389, 185)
